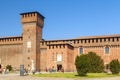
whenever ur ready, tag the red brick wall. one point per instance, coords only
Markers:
(11, 55)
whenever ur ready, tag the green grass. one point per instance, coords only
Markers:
(74, 75)
(58, 75)
(100, 75)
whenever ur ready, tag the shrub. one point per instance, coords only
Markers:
(96, 63)
(82, 65)
(9, 67)
(115, 66)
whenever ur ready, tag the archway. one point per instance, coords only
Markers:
(59, 67)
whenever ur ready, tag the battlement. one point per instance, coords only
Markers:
(86, 41)
(31, 17)
(9, 40)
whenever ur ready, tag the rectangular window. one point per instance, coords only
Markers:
(106, 50)
(59, 57)
(29, 44)
(81, 50)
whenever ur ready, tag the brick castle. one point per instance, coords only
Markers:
(30, 48)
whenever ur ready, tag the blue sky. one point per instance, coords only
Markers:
(64, 19)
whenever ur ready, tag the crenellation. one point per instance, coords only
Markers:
(28, 15)
(115, 39)
(85, 41)
(10, 40)
(74, 42)
(94, 41)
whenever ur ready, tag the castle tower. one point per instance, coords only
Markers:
(32, 23)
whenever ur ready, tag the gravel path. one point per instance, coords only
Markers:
(17, 77)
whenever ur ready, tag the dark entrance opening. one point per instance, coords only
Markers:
(0, 66)
(59, 67)
(0, 69)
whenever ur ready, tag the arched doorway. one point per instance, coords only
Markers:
(59, 67)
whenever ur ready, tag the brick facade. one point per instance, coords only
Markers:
(47, 54)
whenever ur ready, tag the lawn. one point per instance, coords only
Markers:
(74, 75)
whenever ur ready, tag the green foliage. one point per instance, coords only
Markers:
(96, 63)
(115, 66)
(82, 65)
(90, 62)
(9, 67)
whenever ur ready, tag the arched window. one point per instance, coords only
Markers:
(107, 50)
(81, 50)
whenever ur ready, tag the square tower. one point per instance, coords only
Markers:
(32, 23)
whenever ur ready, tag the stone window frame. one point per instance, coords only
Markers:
(107, 50)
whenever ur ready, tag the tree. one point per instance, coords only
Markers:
(96, 63)
(115, 66)
(90, 62)
(82, 65)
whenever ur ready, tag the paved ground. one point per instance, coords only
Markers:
(18, 77)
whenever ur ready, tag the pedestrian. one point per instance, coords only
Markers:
(0, 70)
(62, 70)
(46, 69)
(33, 71)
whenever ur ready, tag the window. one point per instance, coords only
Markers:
(29, 44)
(59, 57)
(106, 50)
(81, 50)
